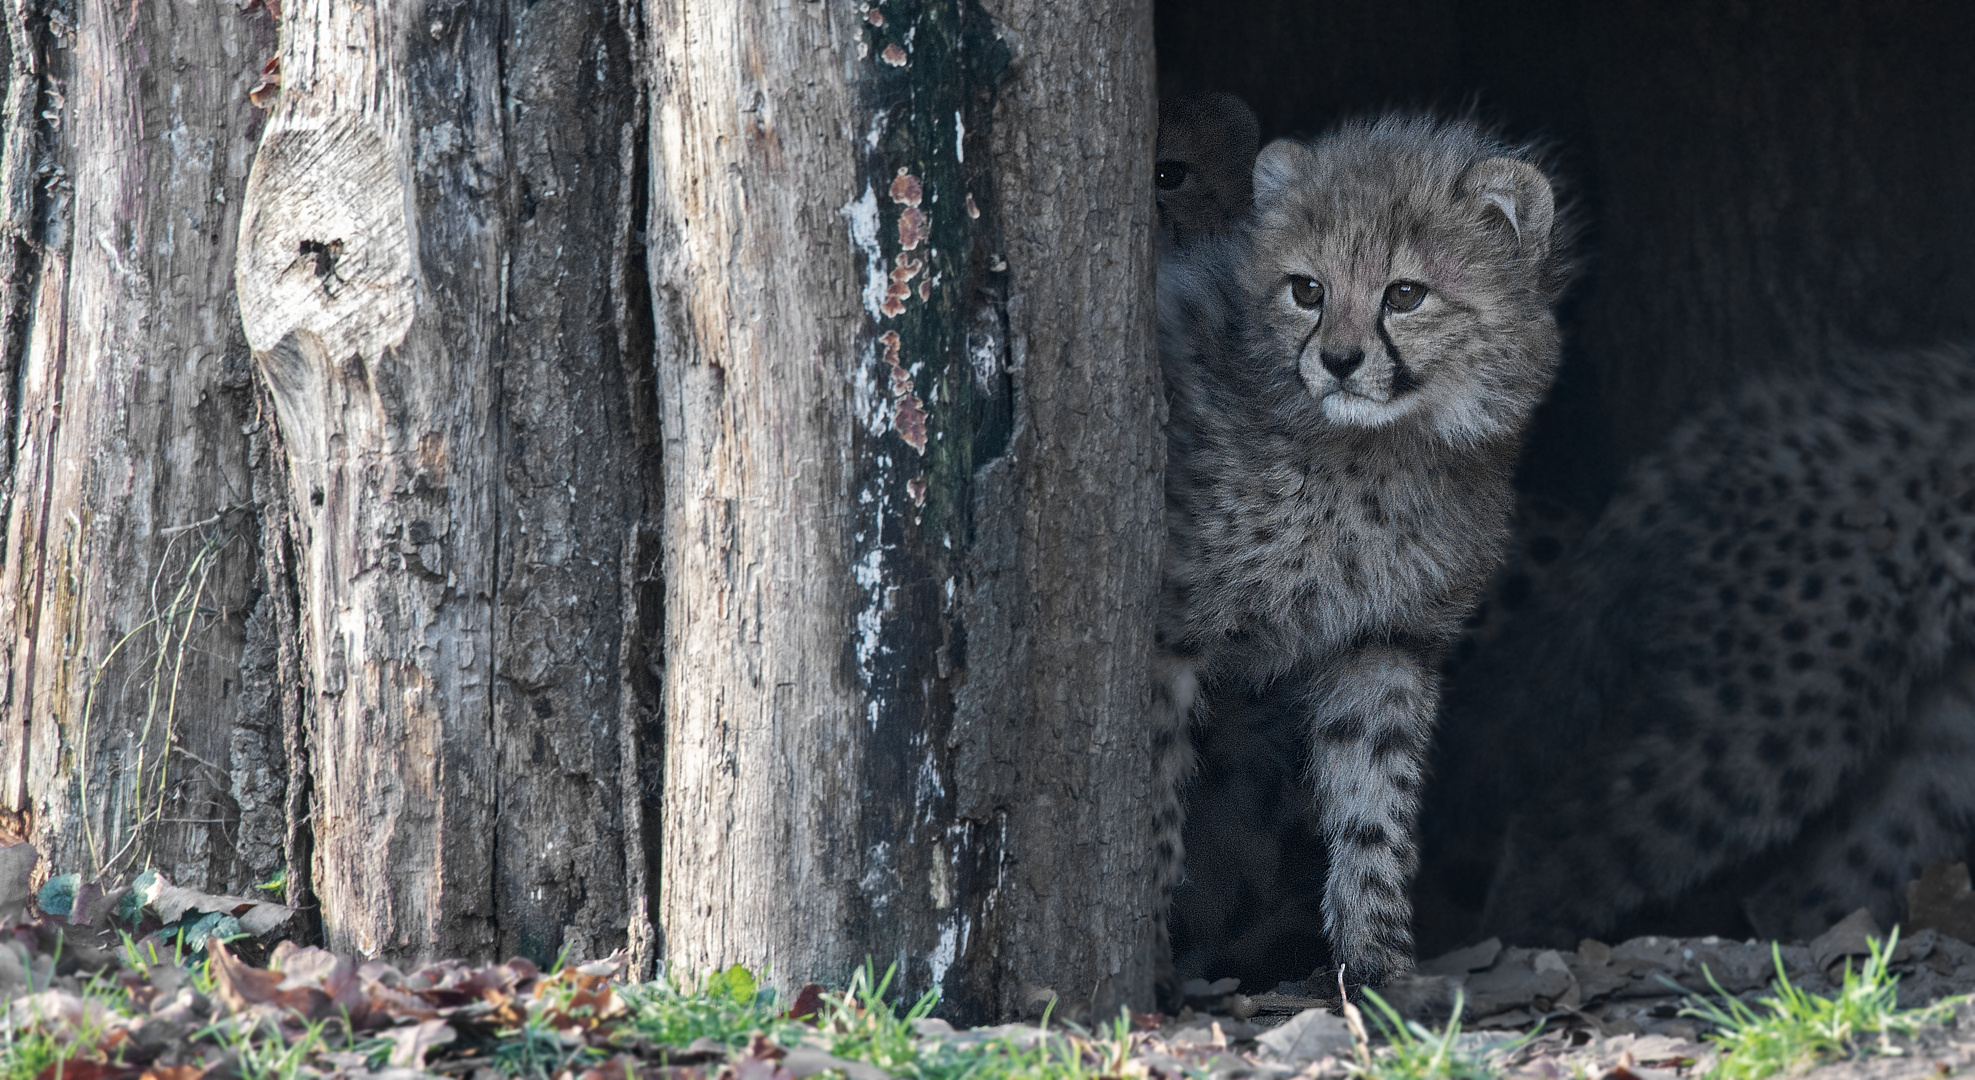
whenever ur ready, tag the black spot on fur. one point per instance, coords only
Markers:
(1669, 815)
(1389, 742)
(1730, 696)
(1795, 630)
(1344, 729)
(1773, 748)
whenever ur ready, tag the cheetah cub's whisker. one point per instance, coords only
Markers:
(1349, 372)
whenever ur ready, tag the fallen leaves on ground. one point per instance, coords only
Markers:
(95, 1005)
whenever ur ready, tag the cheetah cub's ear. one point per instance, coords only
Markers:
(1519, 194)
(1277, 168)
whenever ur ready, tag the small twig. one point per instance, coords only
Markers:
(174, 530)
(183, 752)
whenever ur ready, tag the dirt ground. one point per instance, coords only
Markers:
(1598, 1011)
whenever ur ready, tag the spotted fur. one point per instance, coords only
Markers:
(1754, 674)
(1255, 851)
(1338, 473)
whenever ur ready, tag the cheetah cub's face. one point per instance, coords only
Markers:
(1403, 281)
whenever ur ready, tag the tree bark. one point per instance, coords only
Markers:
(430, 272)
(902, 280)
(130, 548)
(337, 522)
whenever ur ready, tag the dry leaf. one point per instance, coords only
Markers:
(262, 95)
(413, 1042)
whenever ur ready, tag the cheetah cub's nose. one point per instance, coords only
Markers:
(1343, 364)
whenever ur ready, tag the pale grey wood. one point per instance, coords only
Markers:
(911, 540)
(425, 272)
(129, 539)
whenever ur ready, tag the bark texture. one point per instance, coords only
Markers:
(345, 531)
(433, 234)
(902, 285)
(130, 548)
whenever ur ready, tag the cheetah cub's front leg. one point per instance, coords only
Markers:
(1371, 717)
(1174, 688)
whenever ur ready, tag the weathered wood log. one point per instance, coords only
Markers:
(393, 617)
(130, 547)
(901, 265)
(430, 272)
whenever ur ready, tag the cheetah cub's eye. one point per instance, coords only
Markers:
(1307, 292)
(1404, 295)
(1171, 174)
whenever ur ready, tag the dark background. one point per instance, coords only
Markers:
(1758, 183)
(1758, 186)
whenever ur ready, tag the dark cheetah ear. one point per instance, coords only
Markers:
(1276, 168)
(1519, 193)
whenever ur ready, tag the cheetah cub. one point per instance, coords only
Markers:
(1348, 373)
(1754, 675)
(1207, 146)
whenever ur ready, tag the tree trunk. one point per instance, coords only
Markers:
(902, 278)
(130, 548)
(335, 501)
(431, 272)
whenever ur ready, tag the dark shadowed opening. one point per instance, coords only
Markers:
(1758, 184)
